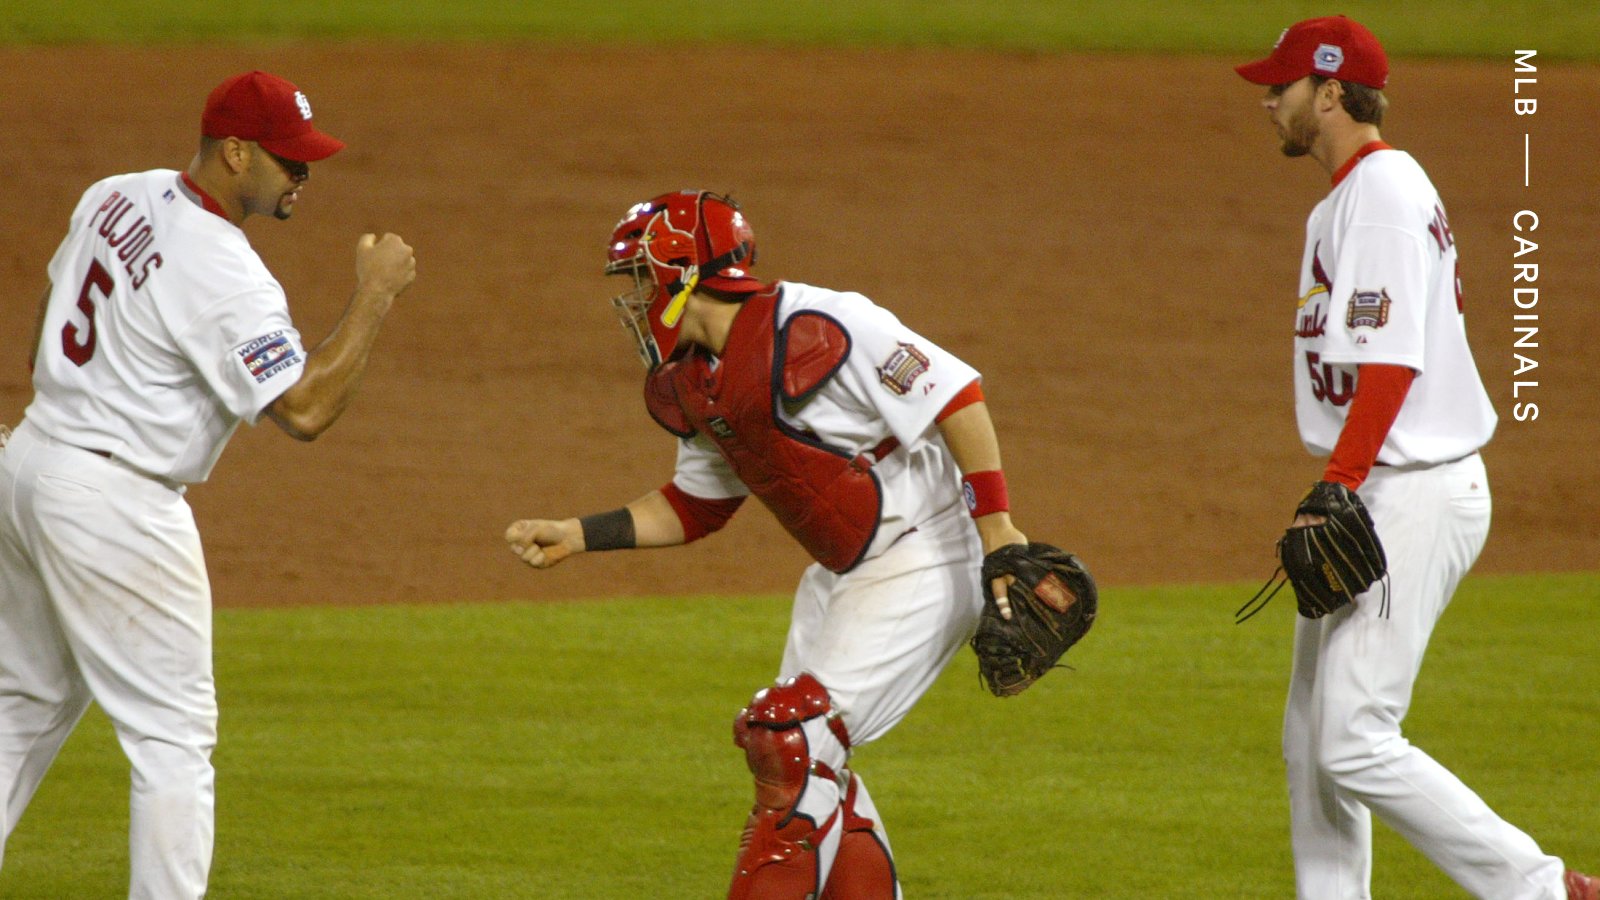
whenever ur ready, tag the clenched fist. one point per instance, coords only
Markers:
(542, 543)
(384, 265)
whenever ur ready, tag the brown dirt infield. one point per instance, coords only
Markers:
(1111, 240)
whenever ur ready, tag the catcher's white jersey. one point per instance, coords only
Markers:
(893, 384)
(163, 331)
(1378, 284)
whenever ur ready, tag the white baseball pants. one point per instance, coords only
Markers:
(1351, 687)
(104, 597)
(878, 636)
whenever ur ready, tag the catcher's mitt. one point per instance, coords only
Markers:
(1331, 562)
(1053, 603)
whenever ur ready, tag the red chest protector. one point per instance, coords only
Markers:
(829, 499)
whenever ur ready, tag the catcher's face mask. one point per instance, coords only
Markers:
(669, 246)
(633, 308)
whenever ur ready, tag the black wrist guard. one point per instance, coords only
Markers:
(608, 530)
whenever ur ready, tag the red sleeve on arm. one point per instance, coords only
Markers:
(699, 516)
(969, 395)
(1380, 389)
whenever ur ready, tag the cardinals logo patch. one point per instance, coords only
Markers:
(901, 370)
(1368, 309)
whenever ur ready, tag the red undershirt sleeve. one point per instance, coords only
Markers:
(699, 515)
(967, 396)
(1380, 389)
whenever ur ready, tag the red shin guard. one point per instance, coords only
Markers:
(797, 806)
(863, 870)
(777, 857)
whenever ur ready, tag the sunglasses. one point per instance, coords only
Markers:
(296, 170)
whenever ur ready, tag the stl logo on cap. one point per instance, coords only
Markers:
(262, 107)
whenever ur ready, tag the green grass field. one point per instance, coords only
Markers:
(581, 750)
(1556, 28)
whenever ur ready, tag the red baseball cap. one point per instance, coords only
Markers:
(1332, 46)
(264, 108)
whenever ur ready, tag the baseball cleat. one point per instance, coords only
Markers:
(1581, 886)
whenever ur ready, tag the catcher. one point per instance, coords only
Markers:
(861, 437)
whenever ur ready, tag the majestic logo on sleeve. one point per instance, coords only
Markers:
(268, 355)
(1368, 309)
(903, 368)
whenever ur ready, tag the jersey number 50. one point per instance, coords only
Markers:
(1322, 376)
(80, 352)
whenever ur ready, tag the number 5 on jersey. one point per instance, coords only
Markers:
(80, 352)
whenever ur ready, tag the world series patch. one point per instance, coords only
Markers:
(1328, 58)
(903, 368)
(1368, 309)
(268, 355)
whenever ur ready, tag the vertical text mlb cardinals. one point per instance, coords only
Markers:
(1386, 387)
(856, 433)
(161, 330)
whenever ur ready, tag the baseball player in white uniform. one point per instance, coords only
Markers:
(161, 330)
(859, 435)
(1386, 387)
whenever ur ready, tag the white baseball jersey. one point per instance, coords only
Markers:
(163, 331)
(1378, 284)
(893, 384)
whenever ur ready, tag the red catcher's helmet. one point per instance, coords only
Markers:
(671, 245)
